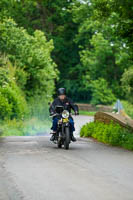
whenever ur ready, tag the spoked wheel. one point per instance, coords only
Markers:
(59, 143)
(67, 138)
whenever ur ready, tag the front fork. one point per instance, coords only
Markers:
(63, 129)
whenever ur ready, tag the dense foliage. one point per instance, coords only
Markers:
(101, 93)
(12, 99)
(92, 40)
(128, 107)
(127, 83)
(26, 66)
(85, 46)
(30, 53)
(111, 133)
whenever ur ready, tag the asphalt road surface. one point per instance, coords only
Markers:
(32, 168)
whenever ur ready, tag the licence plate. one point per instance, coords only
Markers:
(65, 120)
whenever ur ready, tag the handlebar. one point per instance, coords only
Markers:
(56, 114)
(53, 115)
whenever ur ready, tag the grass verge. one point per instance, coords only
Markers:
(83, 112)
(30, 127)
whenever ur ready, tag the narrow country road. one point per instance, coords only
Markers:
(32, 168)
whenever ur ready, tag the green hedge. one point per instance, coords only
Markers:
(12, 103)
(111, 133)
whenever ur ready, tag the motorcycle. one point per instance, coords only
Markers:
(63, 134)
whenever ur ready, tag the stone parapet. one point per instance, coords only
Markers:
(107, 117)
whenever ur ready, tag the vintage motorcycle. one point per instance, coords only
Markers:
(63, 134)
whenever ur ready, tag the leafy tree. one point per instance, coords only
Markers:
(55, 19)
(105, 60)
(103, 10)
(32, 54)
(92, 39)
(103, 53)
(101, 93)
(12, 99)
(127, 83)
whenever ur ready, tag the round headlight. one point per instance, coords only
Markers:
(65, 114)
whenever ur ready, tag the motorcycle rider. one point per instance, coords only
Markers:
(67, 103)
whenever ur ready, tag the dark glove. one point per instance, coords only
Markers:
(76, 113)
(52, 113)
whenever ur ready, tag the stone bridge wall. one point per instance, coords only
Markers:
(91, 108)
(117, 118)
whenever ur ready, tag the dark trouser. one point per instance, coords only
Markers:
(55, 124)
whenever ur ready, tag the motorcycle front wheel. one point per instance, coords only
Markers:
(67, 138)
(59, 143)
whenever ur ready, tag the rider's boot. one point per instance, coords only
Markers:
(53, 136)
(73, 138)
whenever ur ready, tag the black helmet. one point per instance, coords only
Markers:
(61, 91)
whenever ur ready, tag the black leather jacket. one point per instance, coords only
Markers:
(67, 103)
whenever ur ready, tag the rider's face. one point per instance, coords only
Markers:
(62, 97)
